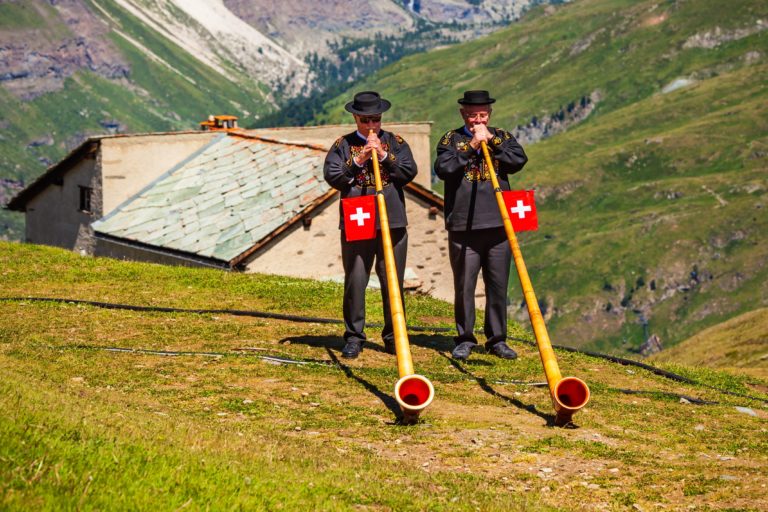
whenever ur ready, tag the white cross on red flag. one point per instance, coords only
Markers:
(359, 217)
(521, 209)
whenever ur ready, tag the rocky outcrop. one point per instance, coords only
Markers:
(8, 189)
(29, 71)
(539, 128)
(472, 11)
(651, 346)
(582, 44)
(717, 36)
(36, 61)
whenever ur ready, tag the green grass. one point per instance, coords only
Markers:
(18, 15)
(87, 428)
(73, 464)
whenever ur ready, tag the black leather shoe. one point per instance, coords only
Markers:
(352, 349)
(463, 350)
(502, 350)
(389, 347)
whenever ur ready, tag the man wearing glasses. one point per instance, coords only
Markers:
(476, 237)
(349, 169)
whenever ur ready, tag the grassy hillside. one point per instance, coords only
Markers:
(651, 210)
(739, 343)
(219, 427)
(151, 98)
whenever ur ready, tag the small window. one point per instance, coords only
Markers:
(85, 199)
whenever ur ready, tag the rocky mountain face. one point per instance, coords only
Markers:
(469, 11)
(254, 38)
(305, 26)
(75, 35)
(37, 59)
(216, 36)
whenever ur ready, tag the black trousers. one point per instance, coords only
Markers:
(471, 251)
(358, 258)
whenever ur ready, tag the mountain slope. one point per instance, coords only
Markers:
(651, 209)
(739, 343)
(75, 68)
(658, 223)
(626, 49)
(213, 34)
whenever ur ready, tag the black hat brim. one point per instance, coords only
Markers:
(383, 106)
(487, 101)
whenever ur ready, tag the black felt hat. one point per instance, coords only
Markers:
(476, 98)
(366, 103)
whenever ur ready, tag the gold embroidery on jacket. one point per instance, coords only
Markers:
(477, 170)
(364, 176)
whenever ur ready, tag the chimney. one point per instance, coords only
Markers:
(219, 123)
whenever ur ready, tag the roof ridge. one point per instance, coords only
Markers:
(246, 135)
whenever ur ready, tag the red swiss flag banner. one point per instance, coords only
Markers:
(521, 209)
(359, 217)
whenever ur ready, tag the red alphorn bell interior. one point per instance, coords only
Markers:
(414, 392)
(572, 392)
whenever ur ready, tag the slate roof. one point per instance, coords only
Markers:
(55, 173)
(224, 198)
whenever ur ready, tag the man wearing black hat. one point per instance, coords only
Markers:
(349, 169)
(476, 237)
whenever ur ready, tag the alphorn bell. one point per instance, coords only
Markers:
(412, 392)
(568, 394)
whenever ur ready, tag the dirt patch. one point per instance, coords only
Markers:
(652, 21)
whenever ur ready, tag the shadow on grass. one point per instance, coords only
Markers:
(334, 342)
(550, 418)
(386, 399)
(328, 342)
(437, 342)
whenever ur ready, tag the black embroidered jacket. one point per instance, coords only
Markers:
(397, 170)
(470, 202)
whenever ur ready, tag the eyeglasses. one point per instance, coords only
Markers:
(477, 115)
(369, 119)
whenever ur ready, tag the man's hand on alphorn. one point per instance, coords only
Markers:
(480, 134)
